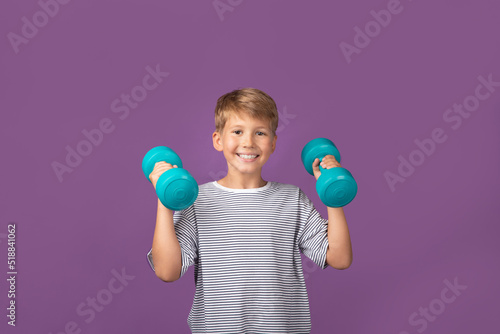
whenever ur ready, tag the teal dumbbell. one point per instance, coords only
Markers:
(176, 188)
(336, 187)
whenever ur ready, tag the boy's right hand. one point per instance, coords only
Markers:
(159, 168)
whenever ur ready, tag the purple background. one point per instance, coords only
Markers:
(440, 224)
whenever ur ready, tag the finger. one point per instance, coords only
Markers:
(165, 165)
(330, 157)
(161, 169)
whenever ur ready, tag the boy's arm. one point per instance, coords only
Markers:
(339, 252)
(166, 251)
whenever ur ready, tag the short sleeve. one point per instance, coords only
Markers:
(187, 235)
(313, 233)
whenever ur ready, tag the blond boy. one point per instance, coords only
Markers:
(244, 234)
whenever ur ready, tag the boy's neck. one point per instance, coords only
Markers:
(249, 183)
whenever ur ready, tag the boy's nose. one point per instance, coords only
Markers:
(247, 141)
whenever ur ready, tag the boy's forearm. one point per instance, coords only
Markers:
(166, 250)
(339, 253)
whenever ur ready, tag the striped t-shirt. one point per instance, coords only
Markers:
(245, 245)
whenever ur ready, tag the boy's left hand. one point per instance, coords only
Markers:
(328, 162)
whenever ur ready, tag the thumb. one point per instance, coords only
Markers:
(316, 164)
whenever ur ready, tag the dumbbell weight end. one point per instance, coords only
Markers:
(177, 189)
(336, 187)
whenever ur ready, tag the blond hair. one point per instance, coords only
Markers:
(254, 102)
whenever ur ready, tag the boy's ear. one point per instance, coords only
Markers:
(217, 141)
(274, 142)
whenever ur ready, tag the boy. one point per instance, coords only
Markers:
(244, 234)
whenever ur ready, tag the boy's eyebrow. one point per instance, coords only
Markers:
(242, 125)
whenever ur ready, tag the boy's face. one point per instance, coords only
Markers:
(243, 135)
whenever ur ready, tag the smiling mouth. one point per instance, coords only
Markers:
(247, 157)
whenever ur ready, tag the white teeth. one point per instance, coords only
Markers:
(247, 156)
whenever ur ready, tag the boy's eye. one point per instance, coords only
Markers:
(259, 132)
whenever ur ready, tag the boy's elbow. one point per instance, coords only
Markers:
(166, 273)
(166, 278)
(347, 263)
(342, 266)
(337, 263)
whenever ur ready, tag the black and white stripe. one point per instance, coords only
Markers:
(245, 245)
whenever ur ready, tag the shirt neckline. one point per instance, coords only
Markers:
(250, 190)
